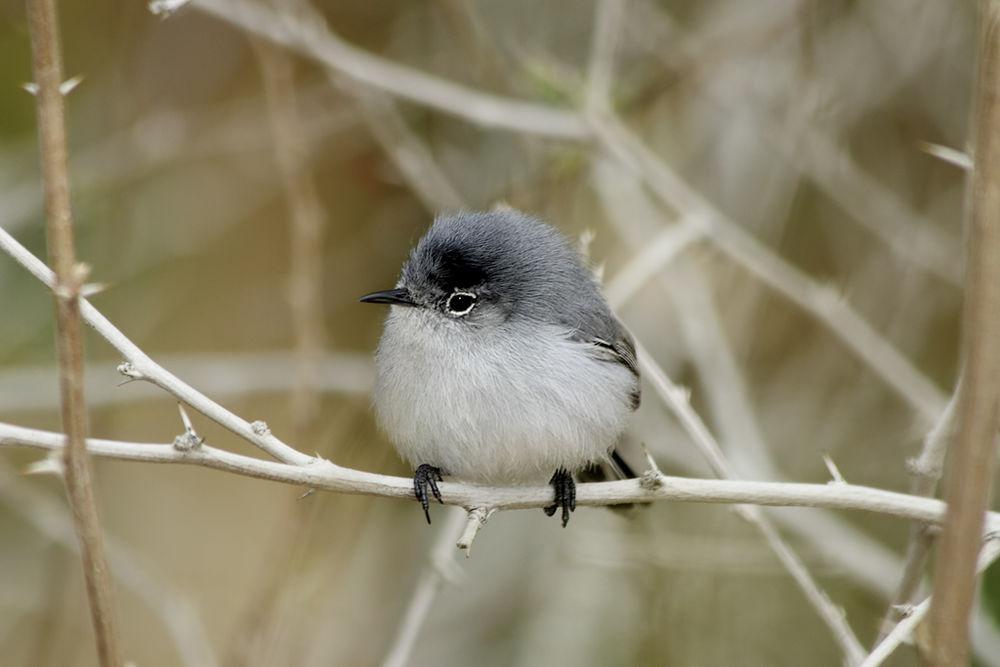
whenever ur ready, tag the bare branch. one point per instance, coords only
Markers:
(971, 470)
(140, 366)
(677, 400)
(46, 62)
(322, 474)
(823, 303)
(926, 470)
(475, 520)
(916, 613)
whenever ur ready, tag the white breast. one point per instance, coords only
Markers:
(497, 405)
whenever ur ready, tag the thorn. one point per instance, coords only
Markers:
(52, 464)
(65, 88)
(947, 154)
(90, 289)
(188, 426)
(128, 369)
(189, 439)
(165, 8)
(308, 492)
(834, 471)
(652, 478)
(69, 85)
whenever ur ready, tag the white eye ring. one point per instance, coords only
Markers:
(460, 303)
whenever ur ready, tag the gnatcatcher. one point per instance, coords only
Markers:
(500, 361)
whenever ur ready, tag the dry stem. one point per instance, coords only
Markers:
(69, 276)
(971, 469)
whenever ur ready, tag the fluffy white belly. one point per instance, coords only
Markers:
(498, 406)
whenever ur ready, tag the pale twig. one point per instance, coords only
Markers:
(437, 572)
(678, 402)
(309, 36)
(916, 613)
(821, 302)
(476, 519)
(606, 31)
(651, 258)
(141, 367)
(868, 563)
(626, 214)
(947, 154)
(324, 475)
(973, 456)
(69, 277)
(926, 470)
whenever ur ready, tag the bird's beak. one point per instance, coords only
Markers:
(396, 297)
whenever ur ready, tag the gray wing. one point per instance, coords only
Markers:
(620, 349)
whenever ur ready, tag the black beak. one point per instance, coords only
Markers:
(397, 297)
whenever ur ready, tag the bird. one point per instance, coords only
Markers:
(500, 361)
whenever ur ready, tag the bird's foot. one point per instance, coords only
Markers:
(565, 494)
(424, 477)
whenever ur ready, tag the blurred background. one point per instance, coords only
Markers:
(754, 182)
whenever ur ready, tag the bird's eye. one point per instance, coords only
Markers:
(460, 303)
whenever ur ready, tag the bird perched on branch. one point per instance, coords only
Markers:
(500, 361)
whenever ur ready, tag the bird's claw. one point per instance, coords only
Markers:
(424, 477)
(565, 494)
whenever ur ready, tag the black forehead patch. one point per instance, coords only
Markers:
(456, 269)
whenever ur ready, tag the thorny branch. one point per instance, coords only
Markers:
(973, 454)
(67, 284)
(325, 475)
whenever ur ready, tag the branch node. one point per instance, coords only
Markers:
(475, 520)
(652, 478)
(128, 369)
(189, 439)
(834, 470)
(902, 610)
(260, 427)
(920, 467)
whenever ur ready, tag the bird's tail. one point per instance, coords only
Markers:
(612, 469)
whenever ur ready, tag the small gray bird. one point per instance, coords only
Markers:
(500, 361)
